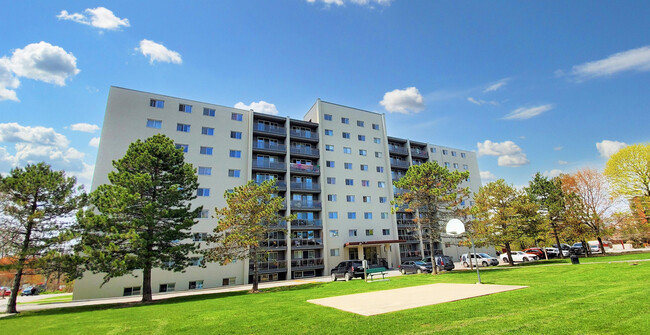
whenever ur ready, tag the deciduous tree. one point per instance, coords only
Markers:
(628, 172)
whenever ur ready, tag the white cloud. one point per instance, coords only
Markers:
(94, 142)
(527, 113)
(15, 133)
(404, 101)
(496, 85)
(553, 173)
(369, 3)
(482, 102)
(630, 60)
(84, 127)
(42, 61)
(99, 17)
(558, 148)
(8, 82)
(561, 162)
(487, 175)
(607, 148)
(158, 52)
(260, 107)
(509, 153)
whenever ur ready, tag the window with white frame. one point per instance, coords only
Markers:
(205, 171)
(157, 103)
(185, 108)
(208, 111)
(207, 131)
(184, 147)
(154, 123)
(182, 127)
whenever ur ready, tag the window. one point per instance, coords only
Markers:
(196, 261)
(331, 180)
(208, 112)
(229, 281)
(384, 215)
(453, 153)
(329, 147)
(157, 103)
(334, 233)
(329, 132)
(236, 135)
(445, 151)
(352, 215)
(185, 108)
(349, 198)
(345, 120)
(199, 237)
(383, 200)
(234, 173)
(203, 214)
(385, 232)
(455, 165)
(365, 183)
(185, 147)
(195, 285)
(349, 182)
(433, 150)
(381, 184)
(347, 150)
(346, 135)
(359, 123)
(205, 151)
(375, 126)
(205, 171)
(154, 123)
(237, 116)
(366, 198)
(361, 137)
(378, 154)
(333, 215)
(327, 117)
(331, 197)
(370, 232)
(447, 164)
(364, 167)
(377, 140)
(380, 169)
(334, 252)
(347, 166)
(183, 127)
(235, 153)
(203, 192)
(465, 167)
(329, 164)
(363, 152)
(462, 155)
(207, 131)
(352, 232)
(132, 290)
(367, 215)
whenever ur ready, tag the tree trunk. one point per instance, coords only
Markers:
(433, 258)
(557, 240)
(255, 288)
(585, 246)
(146, 284)
(509, 255)
(602, 247)
(11, 304)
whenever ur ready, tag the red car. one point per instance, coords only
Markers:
(535, 251)
(7, 291)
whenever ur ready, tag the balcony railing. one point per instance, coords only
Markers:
(399, 163)
(270, 265)
(413, 255)
(300, 223)
(269, 165)
(305, 204)
(306, 243)
(305, 168)
(397, 150)
(397, 177)
(306, 263)
(277, 224)
(419, 153)
(300, 186)
(270, 146)
(274, 243)
(408, 237)
(280, 184)
(398, 191)
(310, 135)
(405, 222)
(270, 129)
(305, 151)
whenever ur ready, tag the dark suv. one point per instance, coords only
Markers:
(348, 270)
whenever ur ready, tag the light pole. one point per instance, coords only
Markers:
(457, 228)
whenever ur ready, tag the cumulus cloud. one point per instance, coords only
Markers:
(15, 133)
(99, 17)
(630, 60)
(487, 175)
(404, 101)
(527, 113)
(496, 85)
(553, 173)
(94, 142)
(482, 102)
(561, 162)
(158, 52)
(260, 107)
(508, 153)
(369, 3)
(84, 127)
(42, 61)
(607, 148)
(8, 82)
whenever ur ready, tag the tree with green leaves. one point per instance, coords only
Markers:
(547, 194)
(628, 172)
(503, 216)
(434, 193)
(244, 224)
(142, 219)
(37, 204)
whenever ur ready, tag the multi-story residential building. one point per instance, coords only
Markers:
(335, 168)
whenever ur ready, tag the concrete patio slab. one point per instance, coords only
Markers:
(380, 302)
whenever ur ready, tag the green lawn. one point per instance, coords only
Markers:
(49, 300)
(565, 299)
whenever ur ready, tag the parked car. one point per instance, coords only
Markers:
(566, 249)
(553, 252)
(415, 267)
(481, 259)
(535, 251)
(520, 256)
(577, 249)
(7, 290)
(347, 270)
(444, 262)
(31, 290)
(595, 248)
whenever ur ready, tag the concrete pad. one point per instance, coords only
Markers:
(380, 302)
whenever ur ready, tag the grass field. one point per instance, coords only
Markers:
(49, 300)
(609, 298)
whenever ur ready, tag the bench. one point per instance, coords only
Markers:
(375, 272)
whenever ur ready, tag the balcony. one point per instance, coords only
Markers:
(406, 222)
(305, 204)
(280, 184)
(269, 147)
(419, 153)
(270, 130)
(311, 136)
(398, 150)
(306, 263)
(412, 255)
(408, 238)
(396, 177)
(305, 151)
(306, 224)
(399, 191)
(305, 187)
(276, 225)
(313, 170)
(269, 166)
(395, 163)
(274, 244)
(306, 243)
(270, 266)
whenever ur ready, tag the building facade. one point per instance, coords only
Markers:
(334, 168)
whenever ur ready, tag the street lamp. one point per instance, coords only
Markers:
(456, 227)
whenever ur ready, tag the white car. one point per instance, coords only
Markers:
(519, 256)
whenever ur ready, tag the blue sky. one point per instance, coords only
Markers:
(547, 86)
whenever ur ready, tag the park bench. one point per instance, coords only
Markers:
(370, 273)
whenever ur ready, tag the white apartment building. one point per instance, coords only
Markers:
(335, 168)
